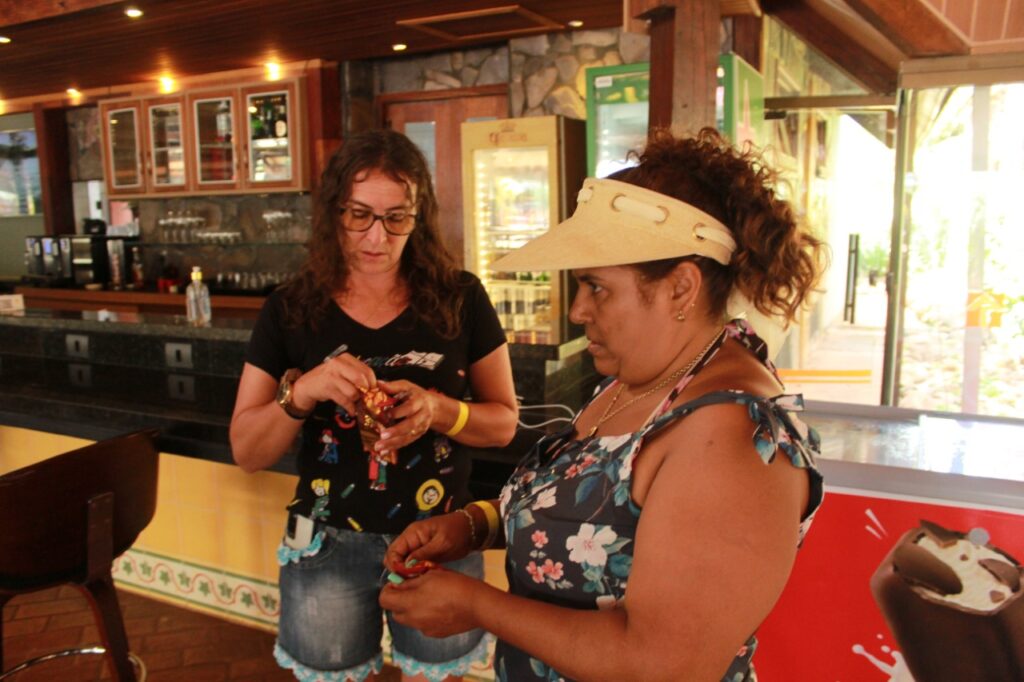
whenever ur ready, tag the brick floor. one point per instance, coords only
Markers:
(176, 644)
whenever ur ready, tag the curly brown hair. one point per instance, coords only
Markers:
(776, 263)
(433, 280)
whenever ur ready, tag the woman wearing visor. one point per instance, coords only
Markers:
(379, 304)
(648, 540)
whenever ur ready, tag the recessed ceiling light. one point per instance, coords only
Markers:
(4, 40)
(398, 47)
(575, 23)
(132, 12)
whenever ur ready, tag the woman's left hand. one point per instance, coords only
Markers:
(438, 603)
(414, 415)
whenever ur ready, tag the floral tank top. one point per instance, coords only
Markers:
(570, 521)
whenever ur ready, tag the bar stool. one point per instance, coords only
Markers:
(65, 519)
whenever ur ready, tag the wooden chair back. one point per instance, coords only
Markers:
(45, 510)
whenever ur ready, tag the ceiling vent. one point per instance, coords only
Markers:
(495, 22)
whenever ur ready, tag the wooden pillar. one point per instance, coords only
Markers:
(684, 59)
(54, 169)
(323, 122)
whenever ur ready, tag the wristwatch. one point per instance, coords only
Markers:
(285, 394)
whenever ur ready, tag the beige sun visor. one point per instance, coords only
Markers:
(616, 223)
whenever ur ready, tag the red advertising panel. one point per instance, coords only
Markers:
(889, 590)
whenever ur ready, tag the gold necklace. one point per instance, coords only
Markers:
(609, 413)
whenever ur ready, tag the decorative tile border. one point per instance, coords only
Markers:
(248, 599)
(251, 600)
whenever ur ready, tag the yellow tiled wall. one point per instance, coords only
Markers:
(209, 514)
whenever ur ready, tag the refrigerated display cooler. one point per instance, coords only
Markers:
(520, 177)
(617, 113)
(617, 110)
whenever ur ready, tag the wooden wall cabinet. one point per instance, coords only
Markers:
(215, 141)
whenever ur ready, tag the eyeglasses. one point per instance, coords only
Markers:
(358, 219)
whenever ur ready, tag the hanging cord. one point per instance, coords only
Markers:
(553, 420)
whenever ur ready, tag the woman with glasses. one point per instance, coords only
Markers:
(378, 309)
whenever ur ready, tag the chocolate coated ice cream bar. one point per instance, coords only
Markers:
(953, 602)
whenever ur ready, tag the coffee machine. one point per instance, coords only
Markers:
(106, 260)
(48, 260)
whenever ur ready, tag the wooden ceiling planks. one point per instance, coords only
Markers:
(21, 11)
(910, 25)
(820, 32)
(99, 47)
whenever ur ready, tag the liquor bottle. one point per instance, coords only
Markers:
(138, 273)
(197, 300)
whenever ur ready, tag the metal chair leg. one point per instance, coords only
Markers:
(92, 650)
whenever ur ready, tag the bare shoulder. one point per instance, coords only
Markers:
(715, 443)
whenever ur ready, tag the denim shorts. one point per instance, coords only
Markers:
(331, 624)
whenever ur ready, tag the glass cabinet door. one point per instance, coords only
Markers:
(512, 195)
(123, 151)
(271, 134)
(215, 141)
(166, 146)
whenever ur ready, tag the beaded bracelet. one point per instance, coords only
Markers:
(460, 421)
(472, 525)
(491, 514)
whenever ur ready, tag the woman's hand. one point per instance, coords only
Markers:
(438, 603)
(414, 415)
(341, 380)
(439, 539)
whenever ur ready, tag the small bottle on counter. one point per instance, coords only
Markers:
(197, 300)
(138, 273)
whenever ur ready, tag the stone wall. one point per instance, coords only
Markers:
(548, 72)
(443, 70)
(85, 153)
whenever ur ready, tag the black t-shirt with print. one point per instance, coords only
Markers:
(340, 484)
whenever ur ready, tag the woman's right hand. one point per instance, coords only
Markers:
(342, 380)
(439, 539)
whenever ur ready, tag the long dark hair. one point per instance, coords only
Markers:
(776, 263)
(427, 267)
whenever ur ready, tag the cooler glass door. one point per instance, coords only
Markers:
(617, 102)
(512, 205)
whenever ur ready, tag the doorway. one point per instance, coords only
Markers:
(837, 167)
(433, 121)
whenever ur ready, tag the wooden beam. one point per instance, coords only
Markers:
(863, 67)
(746, 38)
(20, 12)
(916, 30)
(684, 61)
(54, 169)
(323, 118)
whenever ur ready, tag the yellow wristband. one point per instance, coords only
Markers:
(460, 421)
(493, 523)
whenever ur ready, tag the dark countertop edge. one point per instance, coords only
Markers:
(169, 440)
(182, 330)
